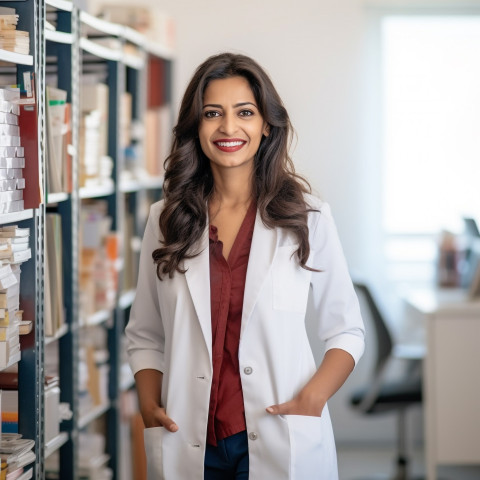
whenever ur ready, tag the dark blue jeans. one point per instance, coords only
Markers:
(229, 459)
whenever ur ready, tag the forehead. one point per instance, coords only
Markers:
(233, 89)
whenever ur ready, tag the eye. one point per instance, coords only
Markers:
(246, 113)
(211, 114)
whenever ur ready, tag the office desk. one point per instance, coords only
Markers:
(451, 326)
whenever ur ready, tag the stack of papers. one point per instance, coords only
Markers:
(14, 249)
(16, 453)
(12, 39)
(14, 244)
(12, 160)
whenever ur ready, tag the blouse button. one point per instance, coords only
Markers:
(252, 436)
(248, 370)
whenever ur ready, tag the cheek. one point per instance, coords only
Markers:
(203, 138)
(256, 137)
(204, 146)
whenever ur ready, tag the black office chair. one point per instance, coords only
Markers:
(382, 395)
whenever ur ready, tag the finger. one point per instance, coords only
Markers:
(286, 408)
(166, 421)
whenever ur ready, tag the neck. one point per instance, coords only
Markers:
(232, 188)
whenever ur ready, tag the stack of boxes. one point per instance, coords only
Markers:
(14, 249)
(12, 159)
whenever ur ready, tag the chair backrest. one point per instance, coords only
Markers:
(383, 338)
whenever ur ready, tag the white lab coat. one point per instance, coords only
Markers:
(170, 330)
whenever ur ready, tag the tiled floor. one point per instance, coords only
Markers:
(372, 463)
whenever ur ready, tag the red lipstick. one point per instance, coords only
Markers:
(229, 145)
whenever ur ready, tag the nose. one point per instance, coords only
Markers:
(228, 124)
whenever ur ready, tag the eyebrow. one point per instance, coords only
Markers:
(241, 104)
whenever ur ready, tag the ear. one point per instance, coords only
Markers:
(266, 130)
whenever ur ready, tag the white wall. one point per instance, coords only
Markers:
(319, 57)
(313, 51)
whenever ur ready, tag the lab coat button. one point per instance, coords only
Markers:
(252, 436)
(248, 370)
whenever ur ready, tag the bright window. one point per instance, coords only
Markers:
(431, 98)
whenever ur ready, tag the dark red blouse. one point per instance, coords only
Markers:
(227, 284)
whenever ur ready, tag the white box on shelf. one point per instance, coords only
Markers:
(52, 408)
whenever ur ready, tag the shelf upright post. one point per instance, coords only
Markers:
(31, 367)
(116, 85)
(68, 80)
(137, 87)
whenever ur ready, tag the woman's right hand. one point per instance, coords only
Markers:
(158, 418)
(149, 389)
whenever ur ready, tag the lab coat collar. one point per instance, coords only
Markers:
(197, 275)
(262, 253)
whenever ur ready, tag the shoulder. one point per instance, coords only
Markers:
(317, 208)
(320, 220)
(313, 202)
(156, 208)
(154, 216)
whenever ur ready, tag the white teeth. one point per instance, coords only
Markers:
(229, 144)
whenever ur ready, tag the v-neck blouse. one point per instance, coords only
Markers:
(227, 285)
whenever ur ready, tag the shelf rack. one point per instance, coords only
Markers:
(74, 41)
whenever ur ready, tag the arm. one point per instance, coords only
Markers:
(339, 321)
(330, 376)
(145, 334)
(149, 389)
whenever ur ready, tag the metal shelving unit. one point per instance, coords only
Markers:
(74, 42)
(16, 217)
(31, 363)
(56, 443)
(16, 58)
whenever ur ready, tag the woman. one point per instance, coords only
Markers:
(227, 384)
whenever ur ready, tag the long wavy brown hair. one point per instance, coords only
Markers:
(278, 190)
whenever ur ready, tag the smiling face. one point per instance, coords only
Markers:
(231, 127)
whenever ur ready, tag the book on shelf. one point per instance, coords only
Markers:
(126, 119)
(14, 246)
(5, 270)
(7, 315)
(157, 139)
(58, 136)
(95, 165)
(9, 405)
(128, 254)
(12, 162)
(54, 302)
(11, 39)
(156, 83)
(92, 459)
(13, 231)
(13, 241)
(9, 331)
(12, 238)
(7, 281)
(28, 122)
(8, 349)
(67, 155)
(25, 327)
(52, 407)
(99, 248)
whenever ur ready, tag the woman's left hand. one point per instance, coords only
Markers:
(333, 371)
(307, 402)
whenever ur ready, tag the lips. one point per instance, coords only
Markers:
(229, 145)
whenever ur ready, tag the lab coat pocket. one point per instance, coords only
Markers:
(306, 442)
(290, 281)
(153, 450)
